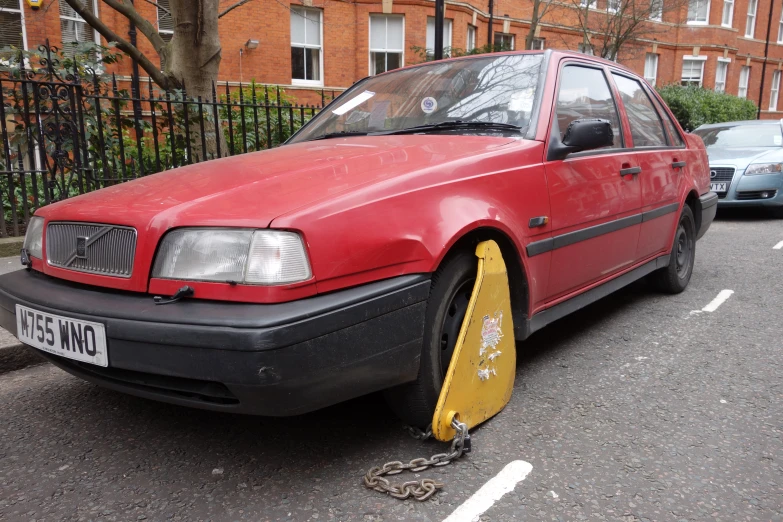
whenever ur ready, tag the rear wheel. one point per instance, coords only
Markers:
(675, 278)
(452, 286)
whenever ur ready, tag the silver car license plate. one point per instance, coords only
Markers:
(718, 187)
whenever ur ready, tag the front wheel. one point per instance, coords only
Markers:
(452, 286)
(675, 278)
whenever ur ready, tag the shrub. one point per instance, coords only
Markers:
(694, 106)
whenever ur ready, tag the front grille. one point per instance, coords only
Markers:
(722, 174)
(91, 247)
(757, 194)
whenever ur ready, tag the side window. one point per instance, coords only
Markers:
(646, 125)
(584, 93)
(674, 134)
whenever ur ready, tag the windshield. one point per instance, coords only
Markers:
(493, 90)
(741, 136)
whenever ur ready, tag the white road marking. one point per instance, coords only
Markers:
(715, 303)
(483, 499)
(778, 246)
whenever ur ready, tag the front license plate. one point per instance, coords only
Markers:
(83, 341)
(718, 187)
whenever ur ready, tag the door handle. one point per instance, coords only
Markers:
(630, 170)
(678, 164)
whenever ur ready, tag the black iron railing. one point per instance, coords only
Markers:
(67, 130)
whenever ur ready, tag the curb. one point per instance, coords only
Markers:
(10, 246)
(17, 357)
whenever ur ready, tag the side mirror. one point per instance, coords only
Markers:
(584, 134)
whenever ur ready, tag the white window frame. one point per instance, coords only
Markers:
(656, 15)
(513, 38)
(699, 22)
(730, 5)
(95, 34)
(725, 62)
(386, 50)
(448, 32)
(780, 28)
(750, 24)
(539, 44)
(701, 59)
(158, 12)
(591, 4)
(742, 90)
(19, 11)
(612, 6)
(652, 80)
(311, 83)
(470, 41)
(774, 91)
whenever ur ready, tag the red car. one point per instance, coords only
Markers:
(341, 263)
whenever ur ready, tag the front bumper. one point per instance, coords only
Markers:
(744, 191)
(264, 359)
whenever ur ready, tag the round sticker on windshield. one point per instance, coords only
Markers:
(429, 105)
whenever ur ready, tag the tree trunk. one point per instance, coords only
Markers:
(534, 19)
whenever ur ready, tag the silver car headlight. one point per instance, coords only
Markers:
(764, 168)
(33, 238)
(256, 257)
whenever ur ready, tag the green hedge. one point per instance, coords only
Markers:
(694, 106)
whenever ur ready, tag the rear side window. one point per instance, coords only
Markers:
(674, 134)
(646, 125)
(584, 93)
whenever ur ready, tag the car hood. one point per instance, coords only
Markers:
(742, 157)
(250, 190)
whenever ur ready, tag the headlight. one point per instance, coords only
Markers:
(261, 257)
(764, 168)
(33, 238)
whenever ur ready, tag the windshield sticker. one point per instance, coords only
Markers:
(778, 140)
(522, 101)
(429, 105)
(353, 102)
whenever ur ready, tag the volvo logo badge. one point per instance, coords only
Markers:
(81, 247)
(713, 174)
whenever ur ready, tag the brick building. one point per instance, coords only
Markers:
(307, 45)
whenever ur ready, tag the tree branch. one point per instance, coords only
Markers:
(142, 24)
(95, 22)
(232, 7)
(156, 4)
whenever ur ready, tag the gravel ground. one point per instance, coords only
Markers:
(633, 409)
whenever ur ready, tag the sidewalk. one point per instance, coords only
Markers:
(14, 356)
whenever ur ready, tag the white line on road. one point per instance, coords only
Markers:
(778, 246)
(483, 499)
(715, 303)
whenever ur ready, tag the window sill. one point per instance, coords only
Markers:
(307, 83)
(693, 22)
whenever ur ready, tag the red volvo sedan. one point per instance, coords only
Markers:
(341, 263)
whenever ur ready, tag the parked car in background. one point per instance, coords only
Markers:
(342, 263)
(746, 162)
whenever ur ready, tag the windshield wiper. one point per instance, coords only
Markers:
(341, 134)
(458, 125)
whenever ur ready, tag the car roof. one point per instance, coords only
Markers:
(738, 123)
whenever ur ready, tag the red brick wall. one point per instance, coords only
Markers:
(346, 39)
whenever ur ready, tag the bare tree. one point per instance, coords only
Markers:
(190, 59)
(540, 8)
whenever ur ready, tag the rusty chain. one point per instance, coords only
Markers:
(424, 488)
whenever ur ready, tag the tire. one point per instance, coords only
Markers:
(452, 286)
(674, 278)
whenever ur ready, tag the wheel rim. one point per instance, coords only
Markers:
(452, 322)
(684, 247)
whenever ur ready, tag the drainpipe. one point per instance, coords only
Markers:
(440, 8)
(491, 23)
(764, 66)
(135, 87)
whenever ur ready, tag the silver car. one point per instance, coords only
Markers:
(746, 162)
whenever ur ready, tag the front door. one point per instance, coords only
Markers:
(594, 195)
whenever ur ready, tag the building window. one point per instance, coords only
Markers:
(586, 49)
(591, 3)
(721, 72)
(539, 44)
(744, 78)
(12, 31)
(698, 11)
(656, 10)
(74, 29)
(750, 25)
(692, 71)
(651, 68)
(728, 13)
(306, 52)
(471, 41)
(165, 21)
(780, 28)
(773, 95)
(386, 42)
(504, 41)
(613, 5)
(447, 25)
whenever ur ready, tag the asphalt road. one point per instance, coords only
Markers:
(637, 408)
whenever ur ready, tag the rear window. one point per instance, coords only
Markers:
(741, 136)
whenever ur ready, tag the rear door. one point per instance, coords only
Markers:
(595, 195)
(662, 160)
